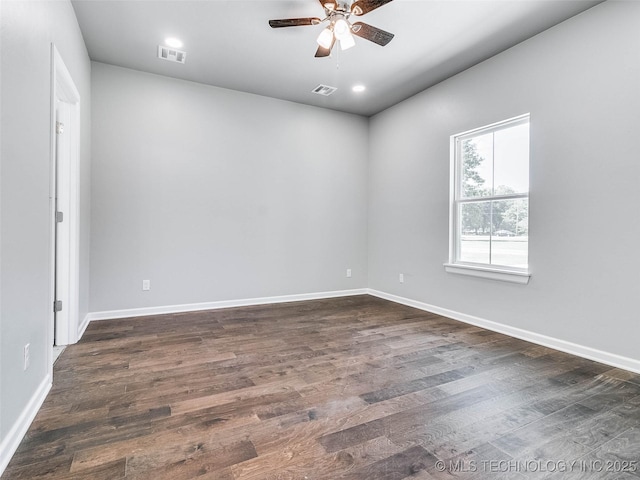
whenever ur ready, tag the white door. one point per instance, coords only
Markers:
(64, 204)
(63, 212)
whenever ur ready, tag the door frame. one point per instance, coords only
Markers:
(63, 89)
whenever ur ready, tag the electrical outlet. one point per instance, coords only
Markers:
(401, 278)
(26, 356)
(348, 273)
(146, 285)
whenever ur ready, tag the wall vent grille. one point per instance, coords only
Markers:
(171, 54)
(324, 90)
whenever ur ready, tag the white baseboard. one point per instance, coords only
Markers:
(607, 358)
(13, 438)
(83, 326)
(194, 307)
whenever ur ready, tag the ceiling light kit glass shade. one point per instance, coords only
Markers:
(341, 29)
(325, 39)
(347, 42)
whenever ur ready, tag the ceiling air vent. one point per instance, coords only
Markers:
(325, 90)
(171, 54)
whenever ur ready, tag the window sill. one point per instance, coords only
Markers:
(490, 273)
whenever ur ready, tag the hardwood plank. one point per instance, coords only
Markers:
(395, 467)
(412, 386)
(540, 431)
(191, 461)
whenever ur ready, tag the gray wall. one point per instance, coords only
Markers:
(216, 195)
(580, 81)
(28, 28)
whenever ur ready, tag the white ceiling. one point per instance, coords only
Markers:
(230, 44)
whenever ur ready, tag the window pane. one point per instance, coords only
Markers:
(511, 160)
(510, 233)
(490, 163)
(477, 166)
(475, 228)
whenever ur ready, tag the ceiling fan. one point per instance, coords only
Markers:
(339, 27)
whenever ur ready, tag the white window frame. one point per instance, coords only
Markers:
(454, 265)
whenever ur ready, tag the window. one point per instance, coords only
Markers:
(490, 201)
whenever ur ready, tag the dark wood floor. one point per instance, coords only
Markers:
(351, 388)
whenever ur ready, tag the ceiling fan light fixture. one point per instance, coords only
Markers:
(347, 42)
(325, 39)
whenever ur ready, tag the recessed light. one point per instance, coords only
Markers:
(172, 42)
(359, 88)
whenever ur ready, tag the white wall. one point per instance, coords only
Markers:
(218, 195)
(27, 30)
(581, 82)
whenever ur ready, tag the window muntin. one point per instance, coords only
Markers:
(490, 208)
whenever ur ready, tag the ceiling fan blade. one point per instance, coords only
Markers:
(294, 22)
(372, 34)
(325, 52)
(328, 5)
(322, 52)
(360, 7)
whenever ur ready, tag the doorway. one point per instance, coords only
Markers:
(64, 204)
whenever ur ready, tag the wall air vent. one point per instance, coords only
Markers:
(171, 54)
(325, 90)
